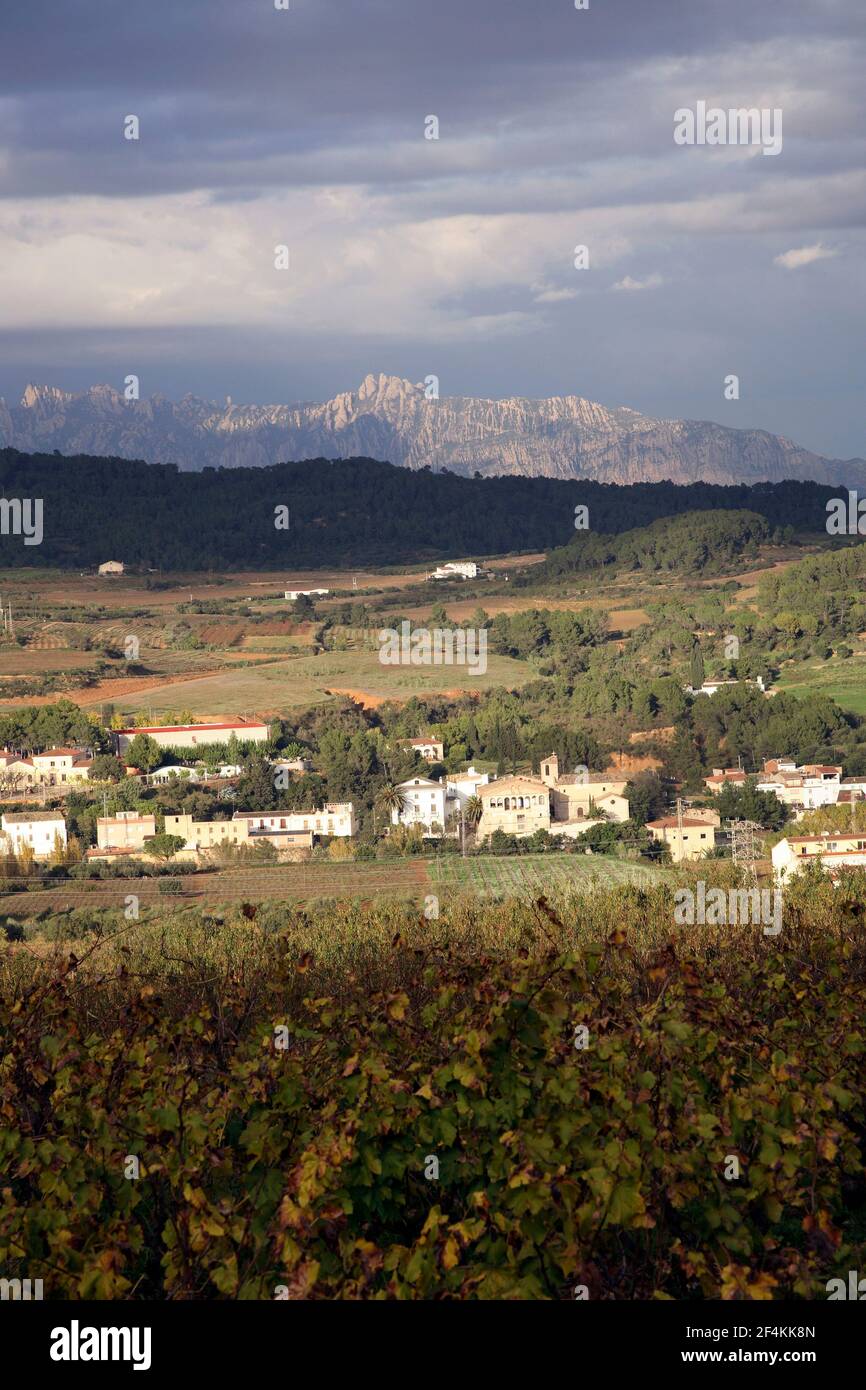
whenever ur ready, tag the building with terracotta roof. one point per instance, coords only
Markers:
(833, 850)
(725, 777)
(689, 837)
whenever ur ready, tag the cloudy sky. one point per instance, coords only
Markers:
(306, 128)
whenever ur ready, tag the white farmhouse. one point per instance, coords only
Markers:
(424, 805)
(456, 569)
(111, 567)
(292, 594)
(41, 831)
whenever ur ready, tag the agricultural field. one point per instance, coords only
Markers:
(290, 883)
(245, 654)
(281, 686)
(524, 877)
(527, 875)
(841, 680)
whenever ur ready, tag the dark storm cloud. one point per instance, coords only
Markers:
(556, 128)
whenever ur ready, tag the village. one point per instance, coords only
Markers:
(457, 809)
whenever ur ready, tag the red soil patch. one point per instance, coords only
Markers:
(630, 762)
(359, 697)
(106, 690)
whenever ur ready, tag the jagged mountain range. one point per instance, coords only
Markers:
(392, 419)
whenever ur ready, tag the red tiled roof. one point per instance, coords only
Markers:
(671, 823)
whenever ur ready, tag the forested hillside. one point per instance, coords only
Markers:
(701, 542)
(350, 511)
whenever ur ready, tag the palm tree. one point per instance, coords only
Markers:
(473, 809)
(391, 799)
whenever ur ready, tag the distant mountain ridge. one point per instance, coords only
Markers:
(391, 419)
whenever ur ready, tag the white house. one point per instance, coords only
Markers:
(42, 831)
(336, 818)
(810, 786)
(462, 786)
(456, 569)
(195, 735)
(424, 805)
(711, 687)
(292, 594)
(832, 850)
(299, 765)
(111, 567)
(432, 750)
(174, 771)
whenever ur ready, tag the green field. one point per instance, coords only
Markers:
(530, 874)
(843, 680)
(281, 686)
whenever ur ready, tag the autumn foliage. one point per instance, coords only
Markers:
(284, 1130)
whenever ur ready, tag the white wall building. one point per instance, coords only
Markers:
(174, 772)
(456, 569)
(111, 567)
(425, 804)
(292, 594)
(462, 786)
(53, 768)
(195, 735)
(336, 818)
(833, 849)
(810, 786)
(43, 831)
(432, 750)
(712, 687)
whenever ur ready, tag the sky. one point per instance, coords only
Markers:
(306, 128)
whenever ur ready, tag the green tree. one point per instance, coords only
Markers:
(164, 846)
(144, 753)
(106, 768)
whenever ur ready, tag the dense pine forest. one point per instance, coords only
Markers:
(346, 512)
